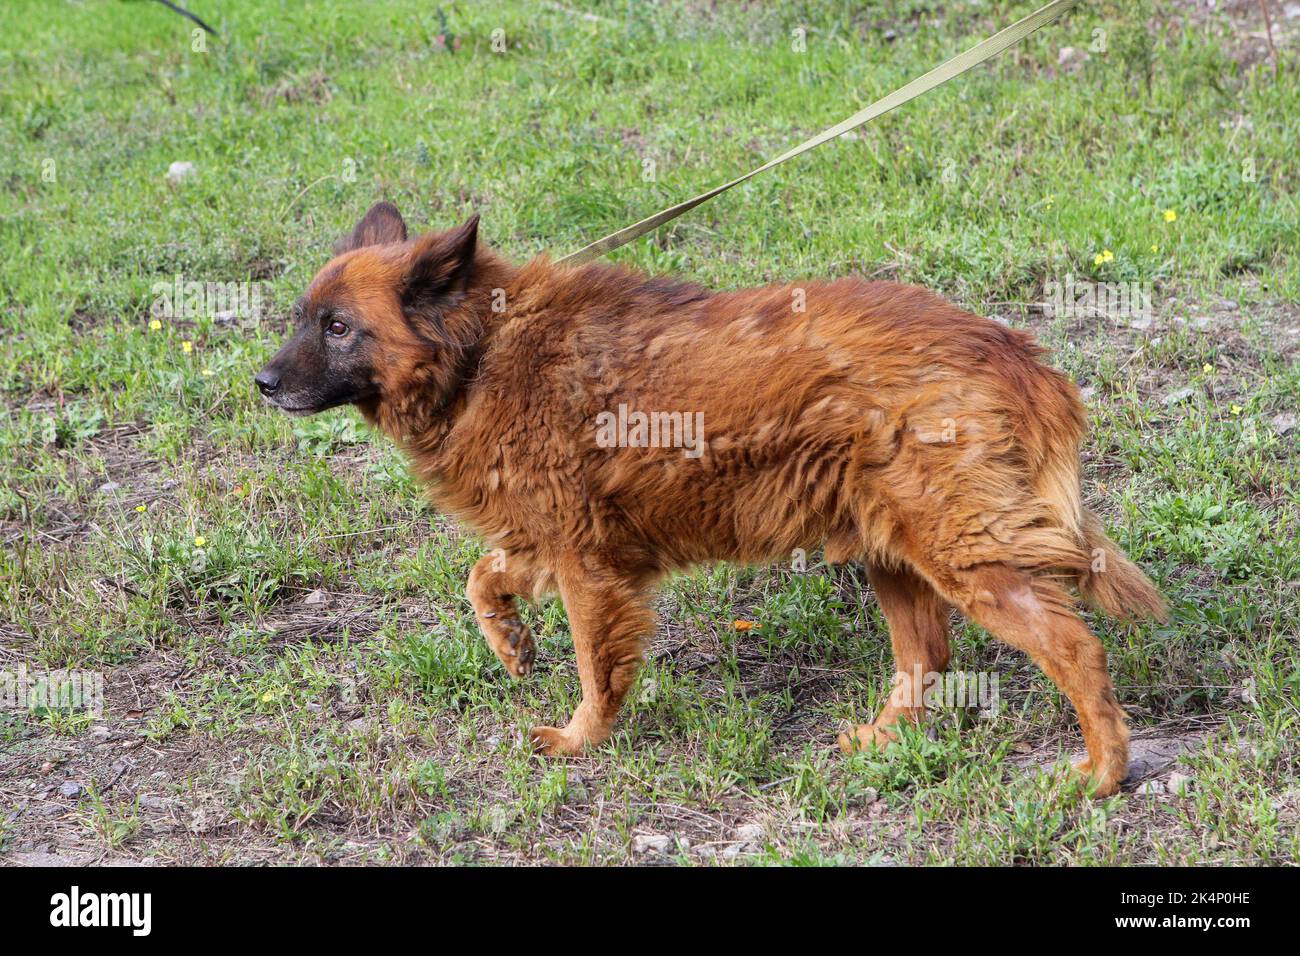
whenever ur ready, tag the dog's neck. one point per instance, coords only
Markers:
(420, 418)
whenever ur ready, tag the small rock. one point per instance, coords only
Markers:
(749, 834)
(316, 597)
(201, 820)
(652, 843)
(47, 767)
(1179, 783)
(1071, 58)
(150, 802)
(1142, 325)
(733, 851)
(71, 788)
(108, 487)
(1150, 788)
(179, 170)
(1174, 397)
(100, 730)
(1087, 393)
(1284, 422)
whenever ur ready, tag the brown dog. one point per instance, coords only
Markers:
(600, 428)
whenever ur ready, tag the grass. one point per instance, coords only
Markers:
(279, 617)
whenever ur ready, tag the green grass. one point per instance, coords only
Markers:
(371, 722)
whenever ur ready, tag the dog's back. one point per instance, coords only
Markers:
(848, 413)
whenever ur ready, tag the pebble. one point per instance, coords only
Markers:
(150, 802)
(652, 843)
(179, 170)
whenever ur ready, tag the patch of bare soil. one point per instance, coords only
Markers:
(1254, 31)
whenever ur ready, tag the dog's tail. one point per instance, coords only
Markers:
(1108, 580)
(1113, 583)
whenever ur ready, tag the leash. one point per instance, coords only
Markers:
(941, 74)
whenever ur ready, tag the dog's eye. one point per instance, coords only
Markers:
(336, 328)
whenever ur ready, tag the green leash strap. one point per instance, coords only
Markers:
(939, 75)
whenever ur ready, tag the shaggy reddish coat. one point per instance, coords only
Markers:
(872, 419)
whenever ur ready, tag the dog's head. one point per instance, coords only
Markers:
(384, 317)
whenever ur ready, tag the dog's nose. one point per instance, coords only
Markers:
(267, 381)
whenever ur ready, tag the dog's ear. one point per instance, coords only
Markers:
(381, 225)
(441, 267)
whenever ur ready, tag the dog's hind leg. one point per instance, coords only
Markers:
(1034, 614)
(610, 618)
(493, 583)
(918, 629)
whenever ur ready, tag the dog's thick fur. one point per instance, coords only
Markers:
(869, 418)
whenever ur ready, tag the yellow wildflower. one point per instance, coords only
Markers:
(187, 346)
(200, 541)
(155, 325)
(1170, 215)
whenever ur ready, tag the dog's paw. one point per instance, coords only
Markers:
(554, 742)
(1104, 784)
(864, 737)
(511, 641)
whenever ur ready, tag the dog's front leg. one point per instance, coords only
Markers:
(493, 583)
(610, 617)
